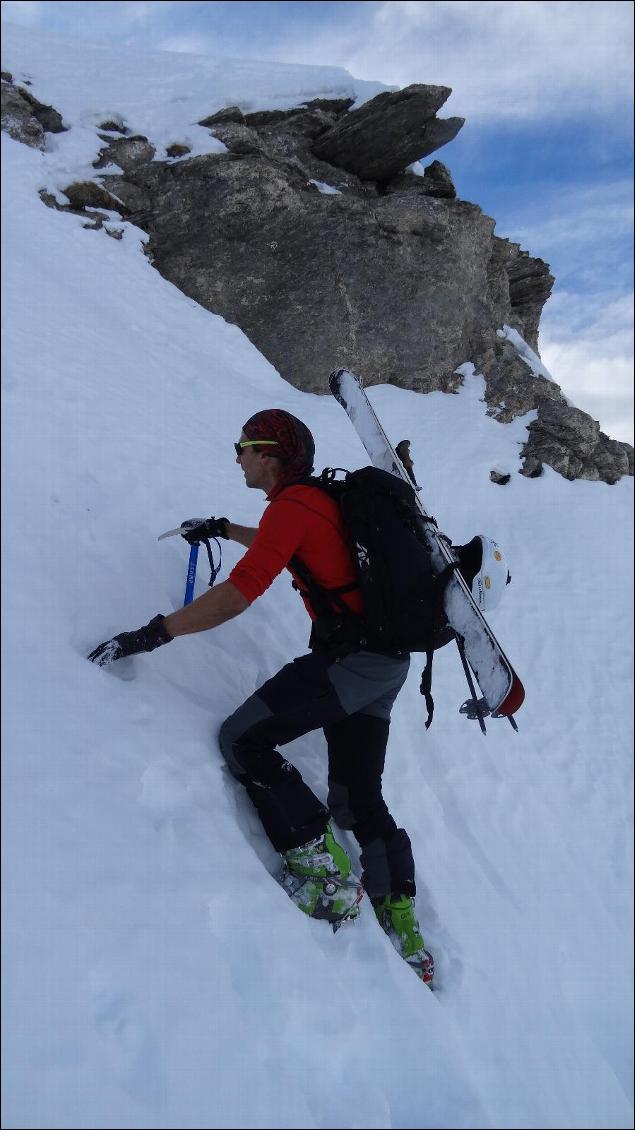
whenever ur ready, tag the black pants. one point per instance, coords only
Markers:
(350, 699)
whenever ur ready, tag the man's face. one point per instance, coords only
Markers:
(253, 467)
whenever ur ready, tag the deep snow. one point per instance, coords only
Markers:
(155, 974)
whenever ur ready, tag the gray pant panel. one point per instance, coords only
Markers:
(368, 683)
(252, 711)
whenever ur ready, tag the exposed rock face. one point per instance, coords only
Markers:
(177, 150)
(86, 194)
(436, 181)
(388, 133)
(512, 389)
(399, 280)
(572, 443)
(318, 281)
(286, 137)
(327, 259)
(562, 436)
(26, 119)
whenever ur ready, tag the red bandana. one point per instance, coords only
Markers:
(295, 443)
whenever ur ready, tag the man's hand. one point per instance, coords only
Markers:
(152, 635)
(196, 529)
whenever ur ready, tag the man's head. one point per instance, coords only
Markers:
(278, 450)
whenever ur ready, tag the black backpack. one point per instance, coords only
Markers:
(402, 597)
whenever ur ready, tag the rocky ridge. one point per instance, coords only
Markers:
(313, 235)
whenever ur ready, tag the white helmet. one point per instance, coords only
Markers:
(483, 564)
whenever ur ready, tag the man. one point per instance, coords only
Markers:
(341, 686)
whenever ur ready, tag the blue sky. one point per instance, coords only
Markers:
(546, 91)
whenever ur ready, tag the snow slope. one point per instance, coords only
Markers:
(155, 974)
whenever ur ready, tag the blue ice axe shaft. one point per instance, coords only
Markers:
(191, 574)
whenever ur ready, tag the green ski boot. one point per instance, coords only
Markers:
(396, 916)
(317, 877)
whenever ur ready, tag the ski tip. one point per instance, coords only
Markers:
(335, 382)
(337, 378)
(513, 700)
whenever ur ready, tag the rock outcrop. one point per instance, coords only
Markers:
(126, 152)
(24, 118)
(571, 442)
(389, 132)
(311, 234)
(321, 267)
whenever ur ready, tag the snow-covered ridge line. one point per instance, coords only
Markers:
(176, 92)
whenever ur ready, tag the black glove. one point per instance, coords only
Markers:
(152, 635)
(196, 529)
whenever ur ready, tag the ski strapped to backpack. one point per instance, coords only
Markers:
(502, 690)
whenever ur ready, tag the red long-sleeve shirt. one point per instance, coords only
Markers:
(301, 520)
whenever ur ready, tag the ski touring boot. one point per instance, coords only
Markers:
(396, 916)
(317, 877)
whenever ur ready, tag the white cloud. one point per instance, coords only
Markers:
(586, 342)
(532, 59)
(588, 213)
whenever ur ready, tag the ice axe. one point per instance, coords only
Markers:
(193, 559)
(191, 573)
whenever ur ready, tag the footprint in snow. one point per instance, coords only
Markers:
(129, 1050)
(165, 791)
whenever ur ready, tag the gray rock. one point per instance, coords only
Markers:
(389, 132)
(308, 122)
(284, 137)
(571, 442)
(530, 285)
(229, 114)
(436, 181)
(177, 150)
(24, 118)
(401, 286)
(47, 116)
(18, 119)
(114, 125)
(390, 285)
(239, 138)
(399, 281)
(532, 468)
(87, 194)
(127, 152)
(131, 199)
(335, 106)
(561, 436)
(512, 389)
(498, 478)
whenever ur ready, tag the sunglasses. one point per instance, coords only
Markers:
(239, 447)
